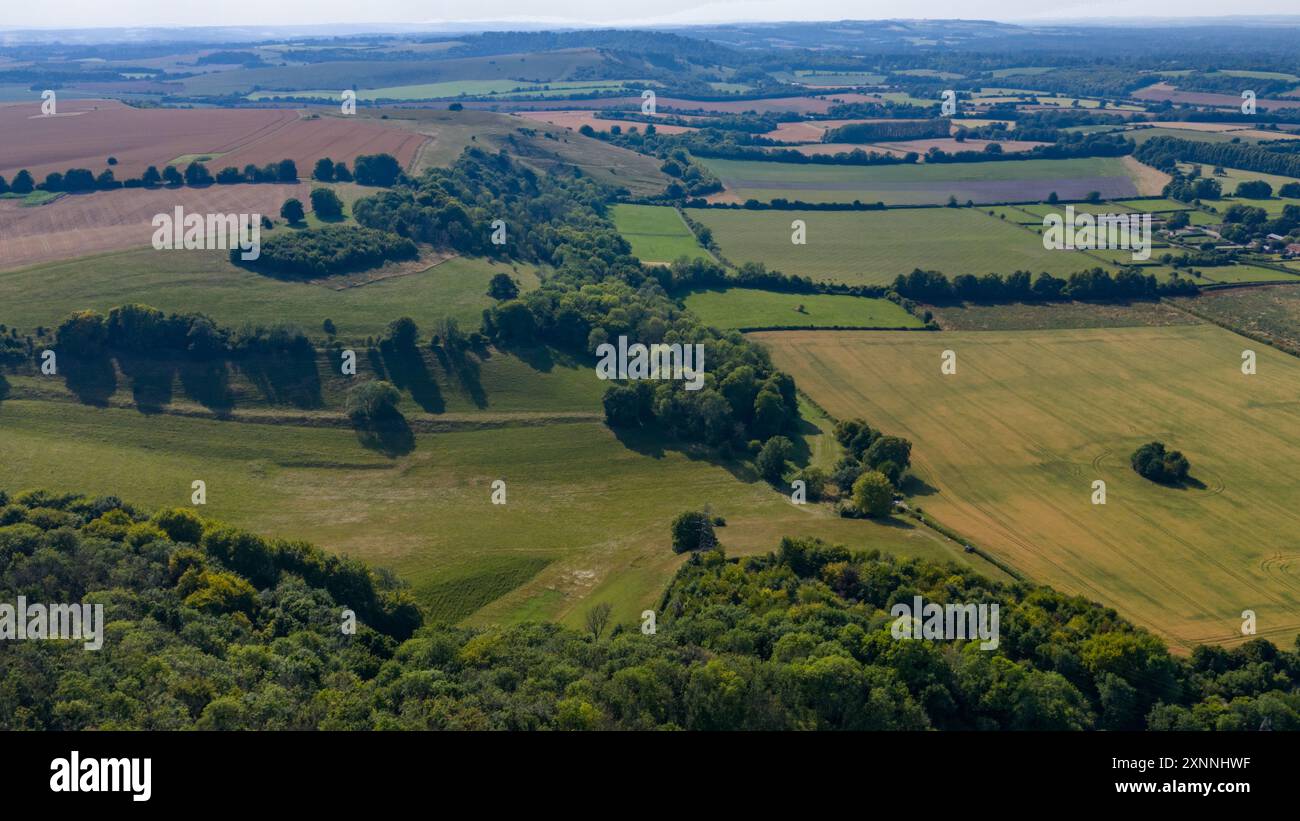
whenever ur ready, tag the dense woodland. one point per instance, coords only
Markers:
(210, 627)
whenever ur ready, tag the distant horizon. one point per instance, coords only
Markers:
(677, 14)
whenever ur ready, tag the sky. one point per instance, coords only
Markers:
(69, 14)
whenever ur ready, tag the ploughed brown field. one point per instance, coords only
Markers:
(76, 225)
(1165, 91)
(85, 133)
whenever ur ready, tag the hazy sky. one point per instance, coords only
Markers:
(129, 13)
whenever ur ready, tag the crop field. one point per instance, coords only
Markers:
(87, 132)
(1012, 442)
(748, 308)
(873, 247)
(77, 225)
(656, 232)
(1006, 181)
(207, 282)
(586, 520)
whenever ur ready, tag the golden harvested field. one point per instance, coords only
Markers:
(1011, 443)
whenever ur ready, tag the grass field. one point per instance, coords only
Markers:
(751, 308)
(926, 184)
(1271, 312)
(656, 232)
(1056, 315)
(873, 247)
(586, 518)
(538, 145)
(1246, 273)
(1012, 442)
(205, 281)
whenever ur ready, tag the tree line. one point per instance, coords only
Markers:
(221, 629)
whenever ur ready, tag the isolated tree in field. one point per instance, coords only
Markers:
(329, 327)
(597, 617)
(326, 204)
(873, 495)
(292, 211)
(1152, 461)
(372, 400)
(693, 530)
(324, 170)
(23, 182)
(503, 287)
(771, 461)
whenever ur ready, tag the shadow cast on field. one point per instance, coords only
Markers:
(285, 378)
(90, 377)
(389, 434)
(466, 368)
(407, 371)
(151, 380)
(914, 486)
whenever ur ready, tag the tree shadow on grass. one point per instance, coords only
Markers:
(4, 388)
(151, 380)
(802, 453)
(539, 358)
(407, 370)
(208, 383)
(90, 376)
(388, 434)
(286, 377)
(466, 369)
(652, 442)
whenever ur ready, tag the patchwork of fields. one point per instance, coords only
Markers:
(873, 247)
(1012, 442)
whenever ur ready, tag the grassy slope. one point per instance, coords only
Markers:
(206, 281)
(1013, 441)
(873, 247)
(586, 519)
(752, 308)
